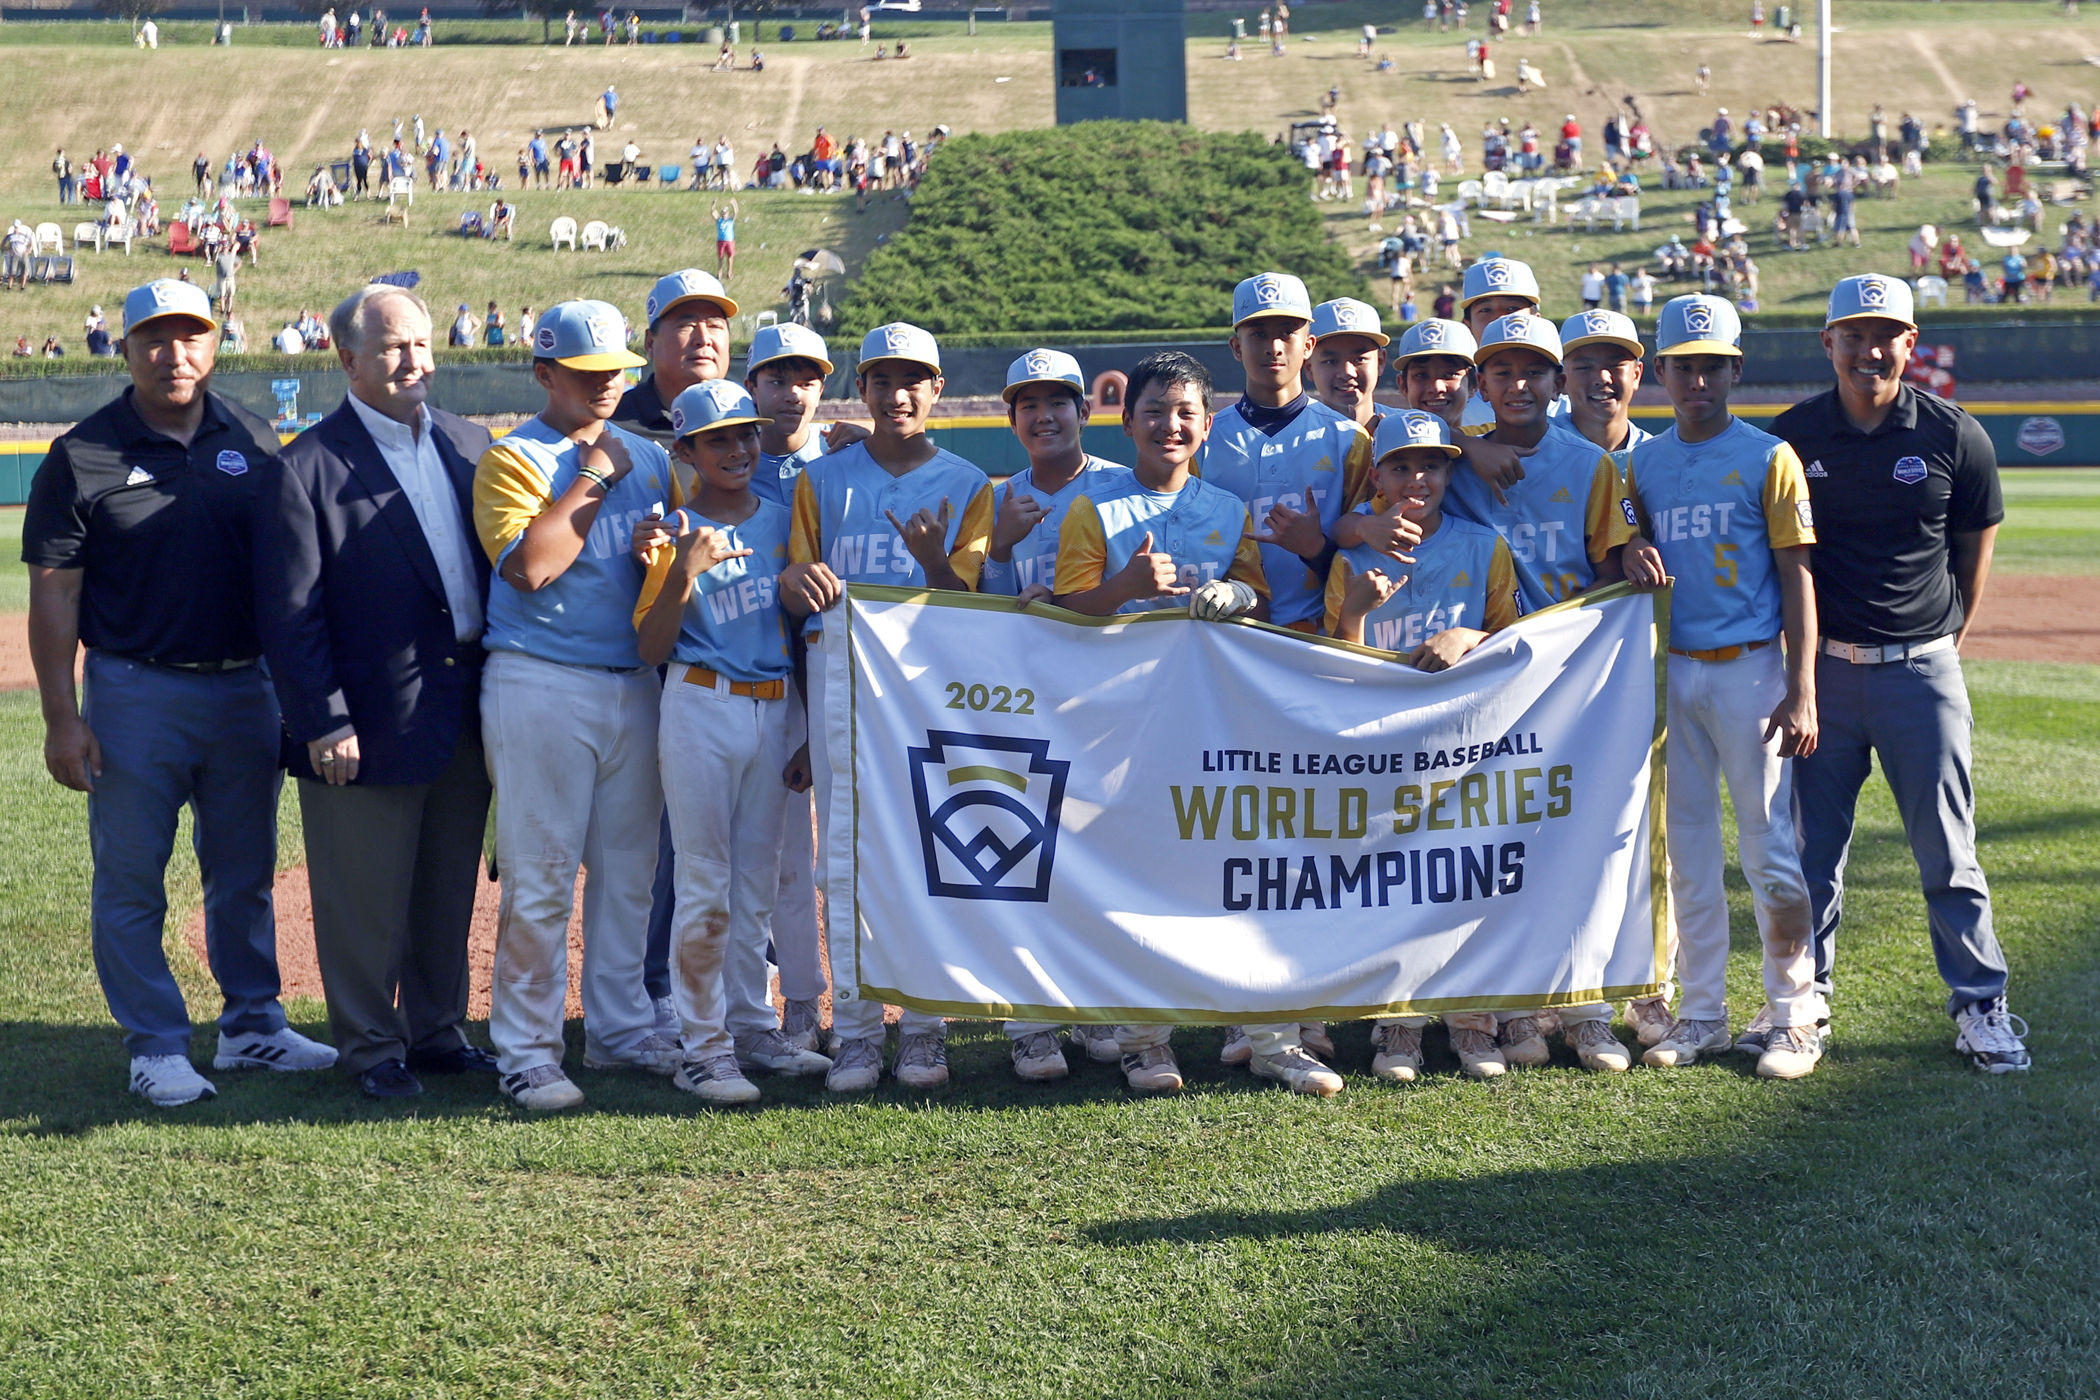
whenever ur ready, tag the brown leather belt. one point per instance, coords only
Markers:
(1721, 653)
(756, 690)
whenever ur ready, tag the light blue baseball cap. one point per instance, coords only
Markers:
(1496, 276)
(1436, 337)
(584, 335)
(1523, 330)
(787, 341)
(691, 284)
(1348, 316)
(1600, 327)
(1043, 367)
(1871, 294)
(1698, 324)
(165, 296)
(900, 340)
(1270, 294)
(1411, 428)
(718, 403)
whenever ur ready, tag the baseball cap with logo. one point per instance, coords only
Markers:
(166, 297)
(1600, 328)
(786, 342)
(1871, 294)
(1270, 294)
(1436, 337)
(900, 340)
(1520, 330)
(718, 403)
(1411, 428)
(681, 287)
(1043, 367)
(1496, 276)
(1698, 325)
(1348, 316)
(584, 335)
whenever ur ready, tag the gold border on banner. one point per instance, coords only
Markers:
(1658, 851)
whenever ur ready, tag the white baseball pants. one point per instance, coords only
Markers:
(1717, 714)
(572, 753)
(721, 756)
(797, 941)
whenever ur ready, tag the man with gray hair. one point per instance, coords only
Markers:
(370, 595)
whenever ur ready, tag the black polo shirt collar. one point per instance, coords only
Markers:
(134, 431)
(1903, 415)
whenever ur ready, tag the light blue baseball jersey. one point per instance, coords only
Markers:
(1479, 414)
(1318, 462)
(774, 477)
(1716, 510)
(733, 623)
(842, 509)
(1462, 576)
(1558, 522)
(1207, 530)
(1035, 556)
(585, 617)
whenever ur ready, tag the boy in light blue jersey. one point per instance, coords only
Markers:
(1166, 536)
(711, 608)
(1494, 287)
(1046, 406)
(785, 372)
(1723, 513)
(569, 712)
(1452, 588)
(1295, 462)
(1348, 359)
(1558, 521)
(880, 511)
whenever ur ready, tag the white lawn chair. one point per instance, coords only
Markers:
(401, 187)
(1495, 185)
(563, 230)
(84, 234)
(1545, 199)
(594, 235)
(1625, 209)
(2007, 237)
(1520, 194)
(764, 319)
(123, 234)
(1468, 192)
(1932, 289)
(50, 239)
(1584, 211)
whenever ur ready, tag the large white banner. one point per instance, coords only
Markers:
(1155, 819)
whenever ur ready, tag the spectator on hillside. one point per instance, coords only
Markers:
(2015, 275)
(62, 169)
(288, 341)
(609, 102)
(462, 332)
(492, 327)
(21, 243)
(526, 322)
(1446, 304)
(52, 349)
(228, 266)
(1642, 291)
(1615, 287)
(98, 343)
(22, 350)
(503, 219)
(1923, 244)
(1592, 288)
(245, 240)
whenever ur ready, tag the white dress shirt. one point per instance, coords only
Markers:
(412, 456)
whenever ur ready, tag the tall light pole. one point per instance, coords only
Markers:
(1823, 122)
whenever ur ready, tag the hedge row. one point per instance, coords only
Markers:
(1100, 226)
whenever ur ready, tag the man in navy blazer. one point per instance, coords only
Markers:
(370, 594)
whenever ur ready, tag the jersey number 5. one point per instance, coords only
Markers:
(1724, 565)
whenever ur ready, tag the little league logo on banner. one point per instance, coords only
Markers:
(1155, 819)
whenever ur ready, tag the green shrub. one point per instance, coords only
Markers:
(1102, 226)
(76, 364)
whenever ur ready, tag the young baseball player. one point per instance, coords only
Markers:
(1492, 288)
(880, 511)
(1724, 513)
(1453, 587)
(1047, 407)
(1158, 538)
(569, 712)
(1433, 365)
(1601, 361)
(710, 608)
(1348, 359)
(1558, 521)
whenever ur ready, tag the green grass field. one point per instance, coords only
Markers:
(493, 78)
(1896, 1225)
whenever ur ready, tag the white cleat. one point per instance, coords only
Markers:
(1099, 1043)
(776, 1054)
(1791, 1052)
(922, 1061)
(1397, 1053)
(802, 1023)
(168, 1081)
(1039, 1058)
(1650, 1019)
(1687, 1041)
(719, 1080)
(856, 1065)
(1597, 1048)
(1298, 1072)
(284, 1050)
(1238, 1049)
(543, 1089)
(657, 1053)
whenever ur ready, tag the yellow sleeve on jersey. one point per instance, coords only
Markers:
(660, 560)
(973, 539)
(1788, 519)
(1337, 585)
(1605, 525)
(1246, 561)
(806, 529)
(1477, 429)
(509, 494)
(1502, 607)
(1082, 551)
(1358, 483)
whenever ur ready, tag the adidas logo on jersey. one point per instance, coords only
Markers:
(1214, 537)
(1815, 468)
(1325, 464)
(1461, 579)
(1732, 479)
(139, 477)
(1561, 495)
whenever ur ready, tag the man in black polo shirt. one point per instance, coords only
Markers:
(137, 541)
(1905, 490)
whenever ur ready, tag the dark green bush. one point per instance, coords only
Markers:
(1102, 226)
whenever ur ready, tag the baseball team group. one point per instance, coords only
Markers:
(602, 627)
